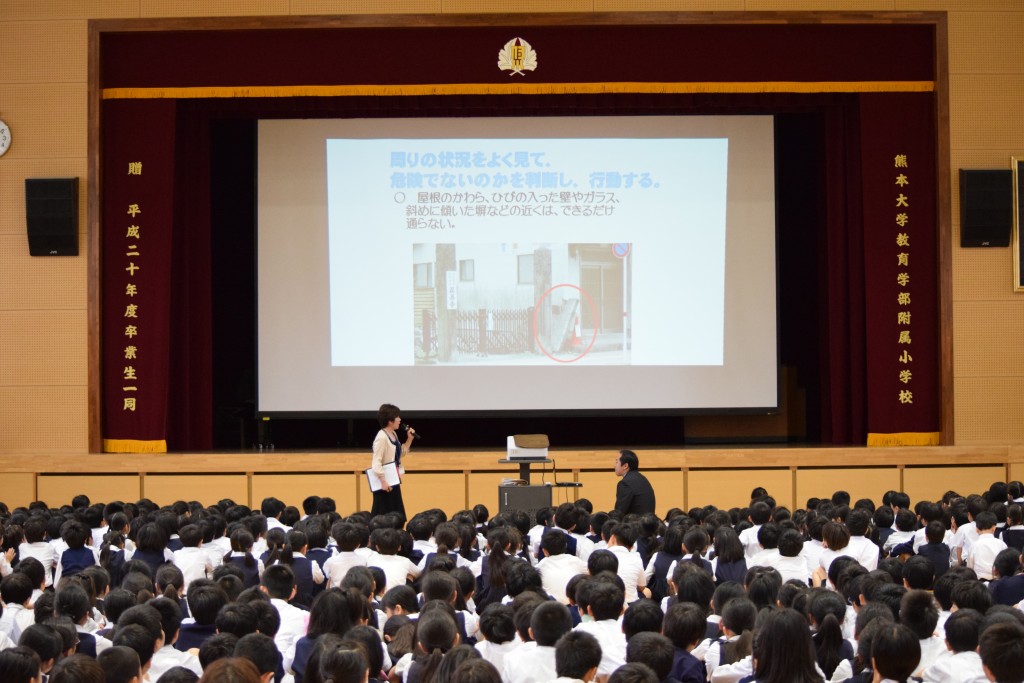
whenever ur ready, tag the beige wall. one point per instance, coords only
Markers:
(43, 402)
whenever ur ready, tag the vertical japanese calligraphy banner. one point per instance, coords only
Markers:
(137, 219)
(901, 274)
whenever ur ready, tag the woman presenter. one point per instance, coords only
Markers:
(388, 450)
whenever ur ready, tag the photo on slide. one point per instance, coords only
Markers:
(522, 304)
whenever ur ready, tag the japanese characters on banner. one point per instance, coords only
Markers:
(900, 243)
(136, 254)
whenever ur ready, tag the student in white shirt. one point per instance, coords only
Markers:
(167, 656)
(398, 570)
(982, 553)
(557, 566)
(759, 514)
(604, 608)
(738, 619)
(497, 635)
(347, 537)
(768, 544)
(535, 660)
(631, 567)
(961, 663)
(35, 545)
(192, 559)
(577, 658)
(790, 564)
(16, 591)
(920, 614)
(279, 583)
(860, 547)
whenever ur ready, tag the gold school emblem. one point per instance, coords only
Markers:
(517, 56)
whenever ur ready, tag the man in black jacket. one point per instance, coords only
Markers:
(634, 493)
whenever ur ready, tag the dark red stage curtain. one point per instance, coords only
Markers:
(138, 230)
(901, 266)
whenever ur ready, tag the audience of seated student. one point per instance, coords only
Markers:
(719, 628)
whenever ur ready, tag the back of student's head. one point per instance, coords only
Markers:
(19, 665)
(279, 581)
(790, 543)
(138, 638)
(1007, 562)
(633, 672)
(971, 594)
(782, 648)
(216, 648)
(438, 586)
(72, 601)
(602, 561)
(44, 640)
(685, 624)
(120, 663)
(436, 633)
(236, 618)
(16, 588)
(919, 572)
(549, 621)
(74, 533)
(1001, 647)
(343, 663)
(693, 584)
(577, 653)
(520, 577)
(827, 610)
(652, 649)
(642, 616)
(962, 630)
(77, 668)
(260, 650)
(605, 600)
(762, 585)
(739, 615)
(523, 607)
(205, 599)
(895, 652)
(905, 520)
(496, 623)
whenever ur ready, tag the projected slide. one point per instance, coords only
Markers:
(509, 264)
(527, 251)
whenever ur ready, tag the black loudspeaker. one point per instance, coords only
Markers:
(986, 208)
(51, 214)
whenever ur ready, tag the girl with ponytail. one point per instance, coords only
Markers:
(436, 634)
(826, 611)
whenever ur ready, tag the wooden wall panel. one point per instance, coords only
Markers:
(731, 488)
(53, 354)
(294, 488)
(668, 5)
(425, 491)
(669, 489)
(929, 483)
(56, 490)
(52, 51)
(863, 482)
(164, 489)
(42, 417)
(598, 488)
(17, 488)
(366, 7)
(35, 10)
(203, 8)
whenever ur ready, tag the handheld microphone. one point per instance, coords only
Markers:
(415, 435)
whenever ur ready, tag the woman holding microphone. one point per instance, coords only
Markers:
(387, 449)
